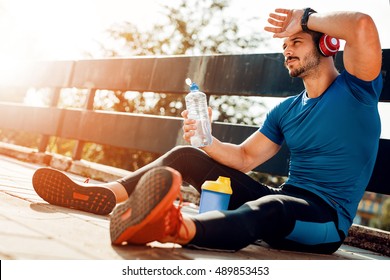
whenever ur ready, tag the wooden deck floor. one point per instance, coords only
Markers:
(32, 229)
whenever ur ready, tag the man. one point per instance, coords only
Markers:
(332, 129)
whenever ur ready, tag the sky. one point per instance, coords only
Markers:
(66, 29)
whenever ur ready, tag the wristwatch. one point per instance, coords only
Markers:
(306, 13)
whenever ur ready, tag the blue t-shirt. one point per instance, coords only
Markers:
(333, 140)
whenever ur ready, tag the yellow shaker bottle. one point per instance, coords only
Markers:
(215, 195)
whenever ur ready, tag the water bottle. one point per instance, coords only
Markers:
(196, 103)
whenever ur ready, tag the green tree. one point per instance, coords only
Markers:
(193, 27)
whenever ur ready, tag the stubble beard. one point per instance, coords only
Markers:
(310, 63)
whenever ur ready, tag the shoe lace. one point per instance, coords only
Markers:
(174, 221)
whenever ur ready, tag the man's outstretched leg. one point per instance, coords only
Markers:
(58, 189)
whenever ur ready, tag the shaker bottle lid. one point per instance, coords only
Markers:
(222, 185)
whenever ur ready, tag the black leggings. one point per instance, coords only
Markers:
(287, 218)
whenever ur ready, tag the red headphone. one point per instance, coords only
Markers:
(328, 45)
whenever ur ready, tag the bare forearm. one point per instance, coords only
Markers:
(227, 154)
(353, 27)
(254, 151)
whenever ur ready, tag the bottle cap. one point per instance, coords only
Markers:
(194, 87)
(222, 185)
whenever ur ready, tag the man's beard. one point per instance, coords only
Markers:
(310, 62)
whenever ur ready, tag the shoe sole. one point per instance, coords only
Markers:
(57, 189)
(156, 190)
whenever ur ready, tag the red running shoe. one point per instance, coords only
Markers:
(149, 213)
(58, 189)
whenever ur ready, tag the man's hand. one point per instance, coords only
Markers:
(285, 22)
(189, 126)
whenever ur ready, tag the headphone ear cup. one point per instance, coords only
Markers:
(328, 46)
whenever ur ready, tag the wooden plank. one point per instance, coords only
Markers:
(218, 74)
(38, 74)
(252, 75)
(19, 117)
(144, 132)
(170, 73)
(114, 74)
(232, 133)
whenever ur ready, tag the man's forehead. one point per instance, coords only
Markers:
(301, 35)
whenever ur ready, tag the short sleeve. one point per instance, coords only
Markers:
(271, 128)
(366, 92)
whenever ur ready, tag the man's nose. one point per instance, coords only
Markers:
(287, 52)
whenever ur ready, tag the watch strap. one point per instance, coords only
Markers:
(305, 18)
